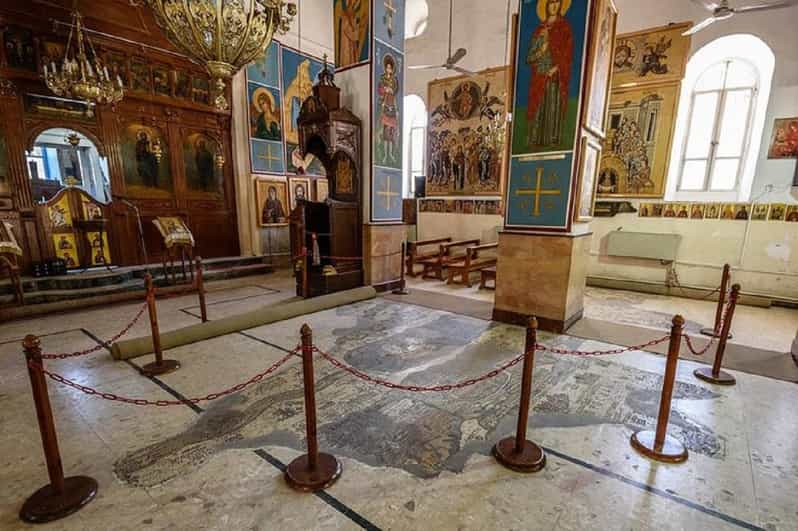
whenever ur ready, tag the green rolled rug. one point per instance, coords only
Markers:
(141, 346)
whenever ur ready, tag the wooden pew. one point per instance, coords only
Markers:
(415, 254)
(434, 266)
(489, 273)
(472, 263)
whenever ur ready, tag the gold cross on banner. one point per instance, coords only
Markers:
(269, 157)
(388, 194)
(537, 191)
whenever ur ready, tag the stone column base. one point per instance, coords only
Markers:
(382, 255)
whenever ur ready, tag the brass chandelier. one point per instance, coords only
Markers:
(223, 35)
(81, 75)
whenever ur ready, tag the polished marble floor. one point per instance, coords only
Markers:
(411, 460)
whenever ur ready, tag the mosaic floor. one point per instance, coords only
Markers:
(411, 460)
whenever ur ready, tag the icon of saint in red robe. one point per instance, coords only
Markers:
(550, 54)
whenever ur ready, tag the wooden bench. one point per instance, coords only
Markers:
(415, 254)
(473, 262)
(446, 256)
(489, 273)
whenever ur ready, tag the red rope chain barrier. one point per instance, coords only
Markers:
(417, 388)
(103, 344)
(144, 402)
(689, 340)
(602, 352)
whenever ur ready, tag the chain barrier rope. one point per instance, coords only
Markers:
(417, 388)
(703, 297)
(689, 340)
(103, 344)
(621, 350)
(161, 403)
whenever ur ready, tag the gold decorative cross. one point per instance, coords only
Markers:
(388, 194)
(537, 191)
(269, 157)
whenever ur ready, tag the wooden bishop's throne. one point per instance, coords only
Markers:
(327, 237)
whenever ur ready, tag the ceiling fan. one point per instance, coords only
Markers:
(721, 11)
(452, 59)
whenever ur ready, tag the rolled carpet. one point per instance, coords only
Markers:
(141, 346)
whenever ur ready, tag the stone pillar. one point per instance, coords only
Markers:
(382, 250)
(541, 275)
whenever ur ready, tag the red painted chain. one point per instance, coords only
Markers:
(417, 388)
(144, 402)
(602, 352)
(689, 340)
(103, 344)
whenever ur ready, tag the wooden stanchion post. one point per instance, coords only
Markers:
(402, 289)
(160, 365)
(659, 445)
(724, 284)
(63, 496)
(201, 289)
(715, 375)
(517, 453)
(314, 470)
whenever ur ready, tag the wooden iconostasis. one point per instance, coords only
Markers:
(162, 143)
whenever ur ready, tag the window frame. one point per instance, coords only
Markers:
(422, 129)
(712, 157)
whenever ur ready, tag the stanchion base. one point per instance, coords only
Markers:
(711, 333)
(154, 369)
(531, 458)
(45, 505)
(672, 450)
(401, 291)
(722, 378)
(300, 477)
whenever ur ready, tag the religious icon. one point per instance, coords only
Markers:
(549, 56)
(791, 214)
(777, 211)
(591, 153)
(669, 211)
(322, 190)
(160, 81)
(654, 55)
(140, 79)
(303, 163)
(697, 211)
(727, 211)
(760, 212)
(60, 213)
(19, 48)
(272, 198)
(352, 32)
(264, 113)
(117, 68)
(344, 175)
(712, 211)
(299, 71)
(173, 231)
(182, 84)
(598, 84)
(199, 161)
(741, 212)
(100, 252)
(388, 94)
(145, 161)
(638, 141)
(66, 249)
(298, 190)
(91, 210)
(784, 142)
(201, 90)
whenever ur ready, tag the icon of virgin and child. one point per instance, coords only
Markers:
(549, 56)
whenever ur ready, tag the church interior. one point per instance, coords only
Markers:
(398, 264)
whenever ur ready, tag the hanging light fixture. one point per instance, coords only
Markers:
(82, 75)
(223, 35)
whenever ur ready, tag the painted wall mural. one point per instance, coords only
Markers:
(386, 204)
(389, 23)
(784, 141)
(635, 155)
(299, 73)
(271, 196)
(548, 79)
(460, 160)
(656, 55)
(539, 191)
(145, 161)
(388, 90)
(352, 29)
(598, 77)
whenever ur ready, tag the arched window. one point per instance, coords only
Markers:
(414, 143)
(721, 120)
(416, 15)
